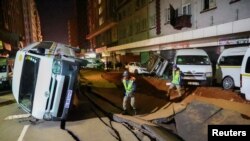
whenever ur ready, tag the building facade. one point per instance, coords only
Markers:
(162, 26)
(102, 23)
(21, 23)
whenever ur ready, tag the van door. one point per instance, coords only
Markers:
(245, 75)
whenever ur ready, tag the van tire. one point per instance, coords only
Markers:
(228, 83)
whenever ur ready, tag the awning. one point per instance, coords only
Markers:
(101, 49)
(101, 30)
(9, 37)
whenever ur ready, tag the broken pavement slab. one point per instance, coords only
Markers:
(147, 127)
(192, 123)
(242, 108)
(167, 111)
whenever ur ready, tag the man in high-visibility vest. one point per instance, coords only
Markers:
(129, 87)
(176, 78)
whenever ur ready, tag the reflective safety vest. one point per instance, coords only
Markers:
(176, 77)
(128, 85)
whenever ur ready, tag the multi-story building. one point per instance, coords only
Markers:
(102, 27)
(21, 23)
(32, 28)
(162, 26)
(101, 22)
(72, 33)
(82, 24)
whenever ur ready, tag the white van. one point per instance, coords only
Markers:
(195, 66)
(245, 75)
(43, 79)
(228, 67)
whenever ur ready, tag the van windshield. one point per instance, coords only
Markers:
(192, 60)
(28, 81)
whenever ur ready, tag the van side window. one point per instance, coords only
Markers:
(248, 66)
(231, 60)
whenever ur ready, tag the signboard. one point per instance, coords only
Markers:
(68, 98)
(234, 41)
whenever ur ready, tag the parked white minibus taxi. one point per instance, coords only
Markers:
(245, 75)
(195, 65)
(231, 67)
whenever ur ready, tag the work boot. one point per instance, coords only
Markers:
(167, 96)
(134, 112)
(124, 112)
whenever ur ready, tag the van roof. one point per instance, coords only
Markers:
(235, 51)
(191, 52)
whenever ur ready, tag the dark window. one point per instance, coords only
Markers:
(176, 13)
(206, 4)
(209, 4)
(45, 45)
(248, 65)
(231, 60)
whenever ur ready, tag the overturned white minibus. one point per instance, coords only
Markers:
(43, 79)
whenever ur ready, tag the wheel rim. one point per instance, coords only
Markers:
(228, 83)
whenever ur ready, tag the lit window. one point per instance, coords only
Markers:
(167, 15)
(186, 9)
(100, 10)
(101, 21)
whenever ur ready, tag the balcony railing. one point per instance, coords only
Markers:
(182, 21)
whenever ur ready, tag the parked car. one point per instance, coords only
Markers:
(93, 63)
(136, 67)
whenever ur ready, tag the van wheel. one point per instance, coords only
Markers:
(228, 83)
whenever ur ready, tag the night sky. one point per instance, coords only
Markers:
(54, 15)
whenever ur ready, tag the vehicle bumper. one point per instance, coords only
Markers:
(198, 82)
